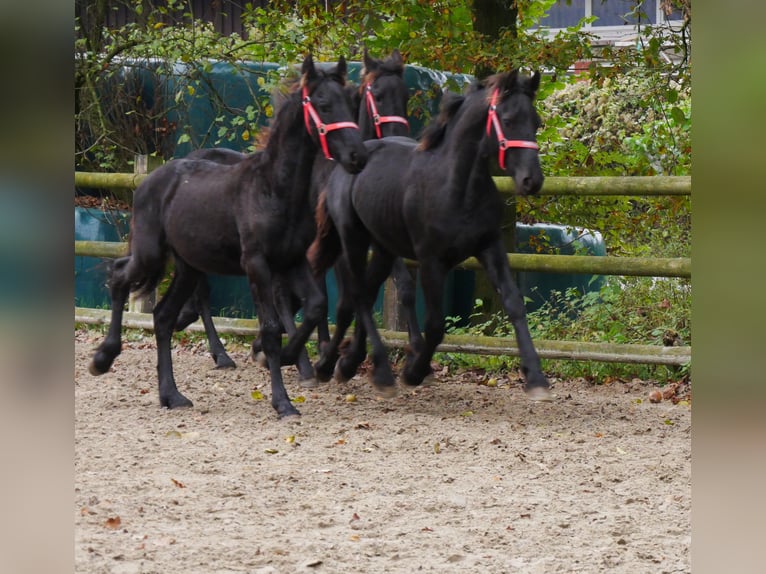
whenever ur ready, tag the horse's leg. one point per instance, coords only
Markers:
(355, 254)
(344, 315)
(165, 316)
(314, 311)
(378, 269)
(406, 289)
(417, 367)
(262, 288)
(190, 311)
(123, 273)
(201, 300)
(286, 306)
(495, 262)
(323, 328)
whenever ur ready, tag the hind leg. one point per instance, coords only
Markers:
(202, 303)
(287, 298)
(124, 272)
(406, 289)
(165, 316)
(288, 302)
(198, 306)
(418, 366)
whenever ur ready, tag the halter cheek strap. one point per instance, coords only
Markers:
(503, 144)
(310, 115)
(377, 119)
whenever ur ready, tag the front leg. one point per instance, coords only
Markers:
(495, 263)
(261, 286)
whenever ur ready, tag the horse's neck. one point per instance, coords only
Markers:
(471, 182)
(291, 160)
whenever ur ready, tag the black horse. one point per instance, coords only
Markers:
(251, 218)
(380, 103)
(436, 203)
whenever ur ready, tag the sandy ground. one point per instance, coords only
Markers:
(454, 477)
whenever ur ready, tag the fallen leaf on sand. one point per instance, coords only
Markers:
(113, 523)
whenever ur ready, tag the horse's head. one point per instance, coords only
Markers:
(328, 117)
(512, 125)
(384, 95)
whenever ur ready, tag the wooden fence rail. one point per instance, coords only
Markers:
(573, 350)
(590, 186)
(634, 266)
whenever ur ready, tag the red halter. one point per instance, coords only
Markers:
(310, 114)
(504, 144)
(377, 119)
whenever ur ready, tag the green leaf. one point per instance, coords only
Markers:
(678, 115)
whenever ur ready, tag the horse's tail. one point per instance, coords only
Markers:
(326, 248)
(148, 248)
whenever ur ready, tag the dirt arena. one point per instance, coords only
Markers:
(457, 476)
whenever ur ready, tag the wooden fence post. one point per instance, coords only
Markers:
(141, 165)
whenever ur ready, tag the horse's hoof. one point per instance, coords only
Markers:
(309, 383)
(94, 370)
(406, 382)
(428, 380)
(225, 362)
(289, 413)
(261, 360)
(540, 394)
(290, 419)
(338, 374)
(177, 401)
(385, 391)
(322, 377)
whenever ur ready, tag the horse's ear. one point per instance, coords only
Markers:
(396, 58)
(342, 68)
(308, 71)
(510, 80)
(534, 82)
(370, 64)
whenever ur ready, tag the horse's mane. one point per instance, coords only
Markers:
(434, 132)
(393, 64)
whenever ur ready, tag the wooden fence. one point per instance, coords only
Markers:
(586, 186)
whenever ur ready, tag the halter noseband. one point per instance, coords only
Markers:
(377, 119)
(504, 144)
(310, 114)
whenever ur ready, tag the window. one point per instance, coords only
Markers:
(623, 12)
(563, 15)
(609, 13)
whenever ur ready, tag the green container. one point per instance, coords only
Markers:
(90, 273)
(556, 239)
